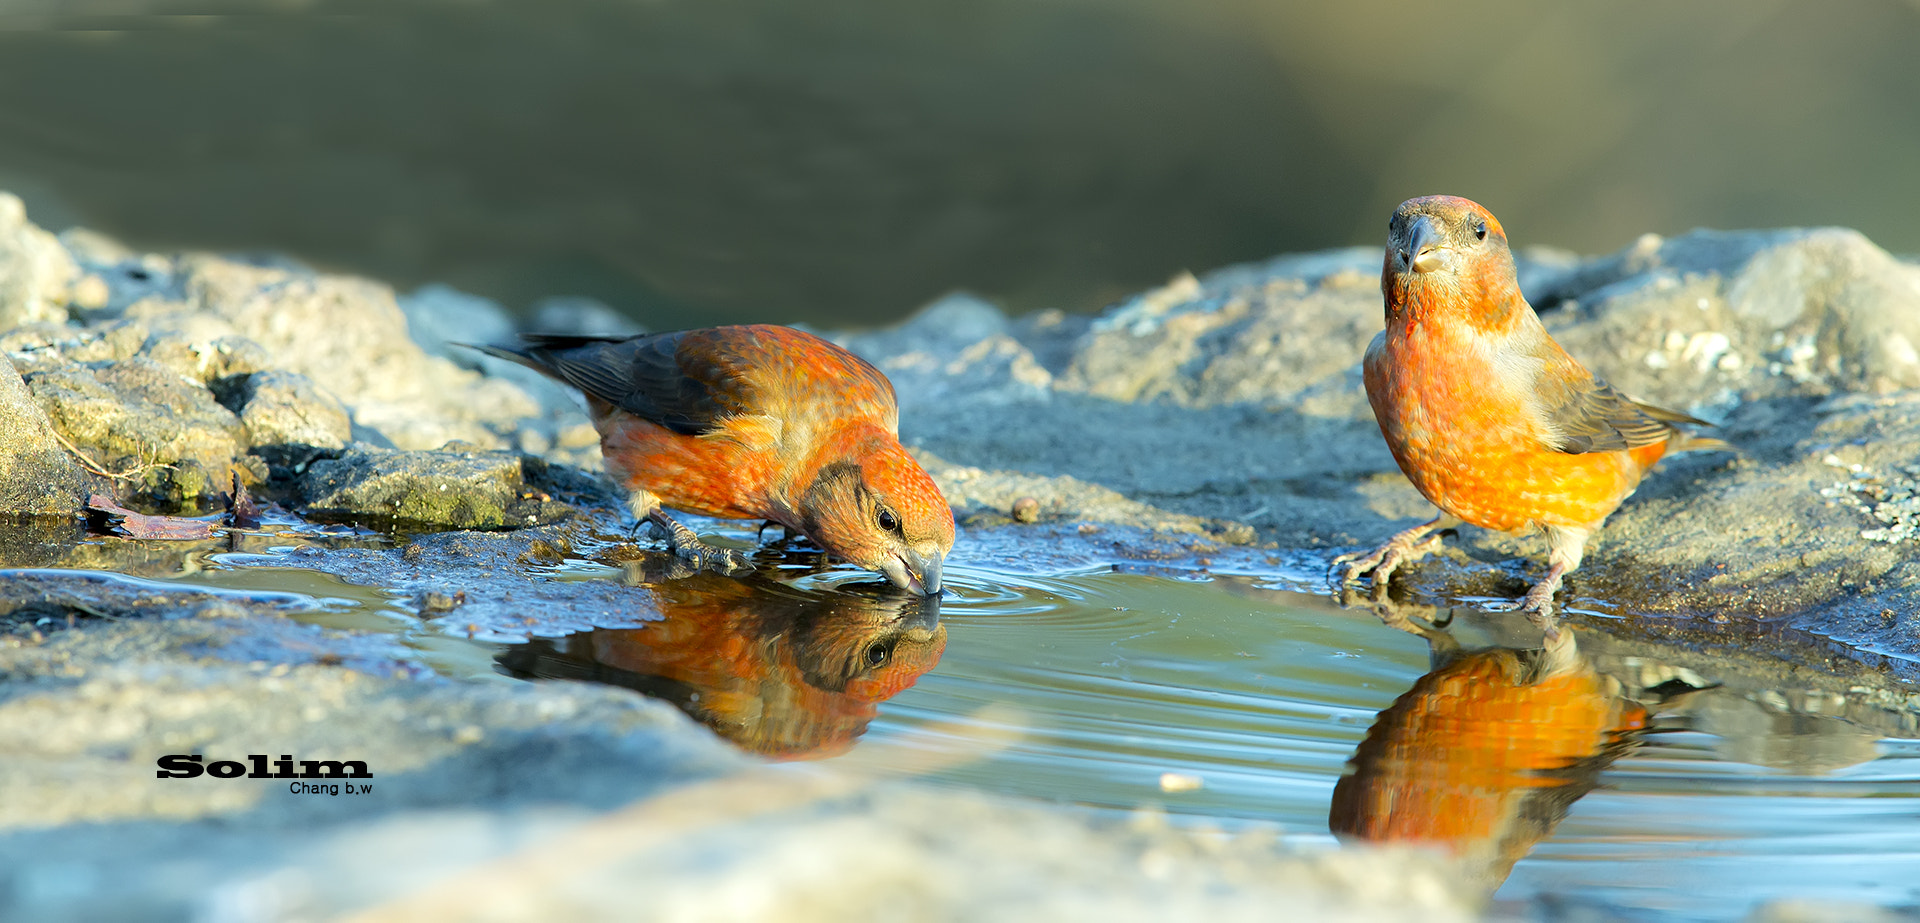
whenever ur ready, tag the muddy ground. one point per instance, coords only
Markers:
(1214, 424)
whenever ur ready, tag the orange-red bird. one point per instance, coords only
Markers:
(757, 422)
(1485, 413)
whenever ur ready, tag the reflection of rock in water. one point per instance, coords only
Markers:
(776, 670)
(1776, 734)
(1483, 756)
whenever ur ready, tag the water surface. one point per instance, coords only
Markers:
(1235, 700)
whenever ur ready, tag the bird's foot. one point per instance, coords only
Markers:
(688, 546)
(1404, 548)
(1538, 605)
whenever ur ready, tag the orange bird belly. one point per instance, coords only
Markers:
(1469, 444)
(711, 475)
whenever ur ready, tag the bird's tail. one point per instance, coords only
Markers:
(504, 352)
(1684, 441)
(538, 350)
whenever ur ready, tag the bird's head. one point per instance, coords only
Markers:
(876, 507)
(1449, 254)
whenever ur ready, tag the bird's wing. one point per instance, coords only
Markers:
(677, 380)
(1590, 416)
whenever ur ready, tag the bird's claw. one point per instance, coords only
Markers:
(1404, 548)
(686, 545)
(711, 557)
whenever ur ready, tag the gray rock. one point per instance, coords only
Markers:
(445, 489)
(166, 439)
(284, 409)
(37, 476)
(1710, 319)
(36, 272)
(986, 498)
(348, 336)
(206, 360)
(440, 315)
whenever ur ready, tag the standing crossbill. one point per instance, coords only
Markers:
(1487, 415)
(1485, 754)
(757, 422)
(778, 671)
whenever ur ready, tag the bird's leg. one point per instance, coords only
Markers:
(682, 540)
(643, 504)
(1538, 603)
(1407, 546)
(1565, 547)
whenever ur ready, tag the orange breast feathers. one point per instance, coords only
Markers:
(1467, 415)
(728, 473)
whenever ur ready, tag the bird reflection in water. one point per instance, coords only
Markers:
(1485, 754)
(784, 672)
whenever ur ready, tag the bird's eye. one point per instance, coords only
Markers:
(878, 653)
(1480, 230)
(888, 521)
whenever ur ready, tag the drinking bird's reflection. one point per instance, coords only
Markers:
(779, 671)
(1485, 754)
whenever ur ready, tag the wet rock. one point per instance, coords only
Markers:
(1026, 510)
(165, 439)
(36, 273)
(37, 476)
(446, 489)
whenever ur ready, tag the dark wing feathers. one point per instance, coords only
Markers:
(1596, 418)
(646, 376)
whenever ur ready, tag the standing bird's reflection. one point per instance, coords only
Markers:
(1485, 754)
(779, 671)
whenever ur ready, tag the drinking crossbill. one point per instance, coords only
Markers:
(757, 422)
(1487, 415)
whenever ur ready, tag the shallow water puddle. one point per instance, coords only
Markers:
(1686, 794)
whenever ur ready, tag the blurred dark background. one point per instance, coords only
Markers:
(844, 161)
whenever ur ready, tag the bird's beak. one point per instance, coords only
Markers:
(1424, 251)
(914, 572)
